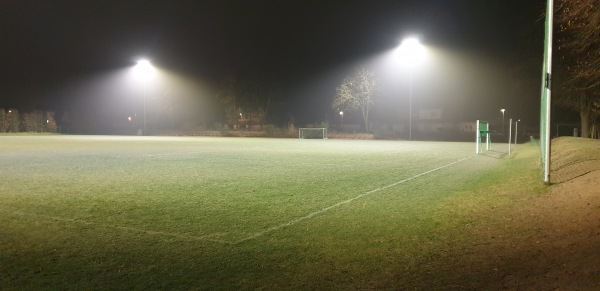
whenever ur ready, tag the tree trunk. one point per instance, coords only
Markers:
(366, 119)
(585, 123)
(585, 112)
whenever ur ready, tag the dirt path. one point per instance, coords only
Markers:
(551, 242)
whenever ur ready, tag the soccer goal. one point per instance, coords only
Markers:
(316, 133)
(483, 131)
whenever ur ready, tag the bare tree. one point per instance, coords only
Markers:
(13, 120)
(3, 120)
(50, 125)
(578, 38)
(229, 95)
(29, 122)
(245, 95)
(357, 92)
(258, 97)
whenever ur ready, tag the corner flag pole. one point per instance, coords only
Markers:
(509, 135)
(546, 93)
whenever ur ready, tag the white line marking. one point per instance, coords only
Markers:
(292, 222)
(127, 228)
(172, 154)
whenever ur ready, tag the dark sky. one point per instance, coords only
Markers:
(305, 47)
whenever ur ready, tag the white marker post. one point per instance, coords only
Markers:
(516, 131)
(477, 138)
(509, 135)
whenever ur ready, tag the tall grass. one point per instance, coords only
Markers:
(218, 213)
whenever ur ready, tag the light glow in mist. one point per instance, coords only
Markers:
(411, 51)
(144, 70)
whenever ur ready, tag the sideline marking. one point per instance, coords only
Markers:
(292, 222)
(128, 228)
(171, 154)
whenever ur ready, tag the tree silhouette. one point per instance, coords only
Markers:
(578, 62)
(357, 92)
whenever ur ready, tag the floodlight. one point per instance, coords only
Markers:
(502, 110)
(144, 69)
(411, 51)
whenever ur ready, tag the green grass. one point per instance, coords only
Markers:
(226, 213)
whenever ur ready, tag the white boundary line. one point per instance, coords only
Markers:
(292, 222)
(127, 228)
(171, 154)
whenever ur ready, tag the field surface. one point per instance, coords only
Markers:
(103, 212)
(208, 189)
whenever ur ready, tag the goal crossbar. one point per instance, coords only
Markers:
(317, 133)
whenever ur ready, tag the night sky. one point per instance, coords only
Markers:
(488, 53)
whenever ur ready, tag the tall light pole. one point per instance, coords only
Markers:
(411, 51)
(144, 70)
(502, 110)
(342, 118)
(516, 130)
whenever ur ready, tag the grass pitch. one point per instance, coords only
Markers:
(189, 212)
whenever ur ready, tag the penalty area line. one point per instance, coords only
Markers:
(323, 210)
(127, 228)
(170, 154)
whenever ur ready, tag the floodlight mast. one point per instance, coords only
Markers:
(411, 52)
(516, 130)
(502, 110)
(144, 71)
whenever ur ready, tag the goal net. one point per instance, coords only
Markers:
(315, 133)
(483, 135)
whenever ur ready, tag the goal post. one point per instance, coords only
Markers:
(483, 130)
(312, 133)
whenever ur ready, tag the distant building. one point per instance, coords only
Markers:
(250, 121)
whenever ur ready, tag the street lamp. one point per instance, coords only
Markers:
(516, 130)
(342, 117)
(502, 110)
(144, 70)
(411, 51)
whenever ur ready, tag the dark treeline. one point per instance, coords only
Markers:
(577, 70)
(12, 120)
